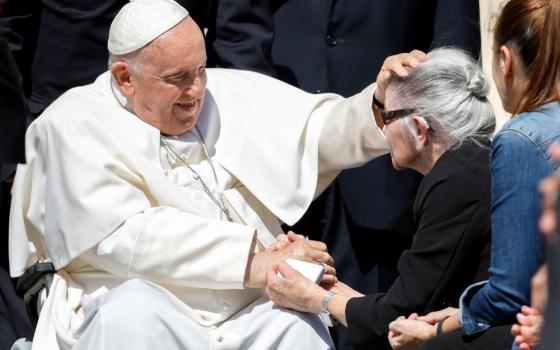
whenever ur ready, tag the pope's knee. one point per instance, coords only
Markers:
(130, 306)
(305, 326)
(312, 323)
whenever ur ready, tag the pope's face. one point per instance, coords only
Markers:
(170, 83)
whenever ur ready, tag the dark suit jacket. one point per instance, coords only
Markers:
(13, 110)
(338, 46)
(13, 320)
(449, 252)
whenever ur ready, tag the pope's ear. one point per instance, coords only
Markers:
(121, 74)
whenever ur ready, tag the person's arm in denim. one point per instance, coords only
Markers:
(517, 166)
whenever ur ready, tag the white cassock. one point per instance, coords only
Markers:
(142, 251)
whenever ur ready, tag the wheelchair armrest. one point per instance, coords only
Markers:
(30, 285)
(33, 275)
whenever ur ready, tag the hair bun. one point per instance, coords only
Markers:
(478, 85)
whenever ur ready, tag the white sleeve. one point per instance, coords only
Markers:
(349, 137)
(165, 245)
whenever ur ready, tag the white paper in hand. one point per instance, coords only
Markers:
(313, 272)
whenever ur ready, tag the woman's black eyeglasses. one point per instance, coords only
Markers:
(389, 116)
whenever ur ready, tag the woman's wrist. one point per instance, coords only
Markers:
(439, 328)
(337, 307)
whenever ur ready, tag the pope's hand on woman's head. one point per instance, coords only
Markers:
(396, 65)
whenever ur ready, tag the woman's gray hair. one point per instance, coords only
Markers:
(449, 90)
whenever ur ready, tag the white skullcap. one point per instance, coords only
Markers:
(141, 21)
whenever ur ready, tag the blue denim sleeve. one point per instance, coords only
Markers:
(517, 165)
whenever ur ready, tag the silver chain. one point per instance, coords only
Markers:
(218, 197)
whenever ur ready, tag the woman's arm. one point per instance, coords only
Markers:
(517, 166)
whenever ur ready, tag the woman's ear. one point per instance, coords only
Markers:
(121, 74)
(505, 61)
(422, 130)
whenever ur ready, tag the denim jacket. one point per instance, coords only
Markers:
(519, 160)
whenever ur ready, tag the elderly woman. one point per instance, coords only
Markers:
(438, 122)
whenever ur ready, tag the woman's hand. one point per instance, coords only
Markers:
(396, 65)
(436, 316)
(409, 334)
(527, 331)
(344, 289)
(293, 290)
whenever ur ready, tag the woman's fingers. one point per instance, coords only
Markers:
(322, 257)
(329, 270)
(328, 280)
(516, 329)
(317, 245)
(527, 310)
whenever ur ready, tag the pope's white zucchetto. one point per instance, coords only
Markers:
(141, 21)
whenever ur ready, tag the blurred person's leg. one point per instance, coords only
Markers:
(551, 335)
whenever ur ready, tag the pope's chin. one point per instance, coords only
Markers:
(185, 118)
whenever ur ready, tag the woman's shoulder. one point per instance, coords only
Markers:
(525, 140)
(457, 185)
(537, 126)
(468, 157)
(464, 168)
